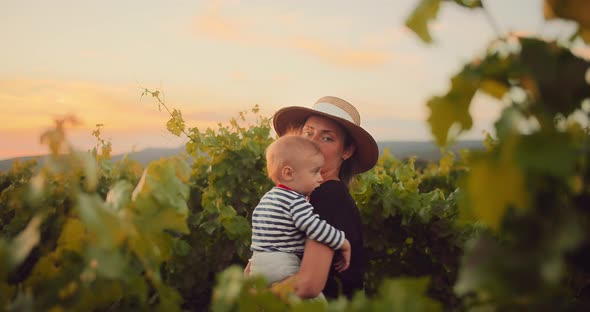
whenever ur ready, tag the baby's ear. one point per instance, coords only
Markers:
(287, 173)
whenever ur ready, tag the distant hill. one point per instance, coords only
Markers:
(423, 150)
(144, 156)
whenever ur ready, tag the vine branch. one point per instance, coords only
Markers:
(491, 20)
(156, 95)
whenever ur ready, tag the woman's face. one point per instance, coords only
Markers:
(331, 138)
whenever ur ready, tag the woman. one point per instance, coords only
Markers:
(348, 150)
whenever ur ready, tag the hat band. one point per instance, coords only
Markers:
(333, 110)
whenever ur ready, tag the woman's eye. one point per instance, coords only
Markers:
(327, 139)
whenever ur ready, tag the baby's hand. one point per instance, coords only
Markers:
(344, 260)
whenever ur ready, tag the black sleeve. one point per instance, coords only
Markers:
(328, 202)
(333, 203)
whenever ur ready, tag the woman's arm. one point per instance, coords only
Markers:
(247, 269)
(313, 273)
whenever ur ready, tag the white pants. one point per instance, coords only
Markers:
(275, 266)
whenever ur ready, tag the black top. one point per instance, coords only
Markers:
(333, 203)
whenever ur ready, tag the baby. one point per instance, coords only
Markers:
(284, 219)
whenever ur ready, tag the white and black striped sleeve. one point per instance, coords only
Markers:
(314, 227)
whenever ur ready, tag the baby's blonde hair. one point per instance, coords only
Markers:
(285, 151)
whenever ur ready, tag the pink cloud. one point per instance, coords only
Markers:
(30, 107)
(214, 25)
(338, 55)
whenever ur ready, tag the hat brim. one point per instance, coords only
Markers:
(367, 152)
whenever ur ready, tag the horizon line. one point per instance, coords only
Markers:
(180, 146)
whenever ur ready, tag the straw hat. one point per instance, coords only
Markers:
(342, 112)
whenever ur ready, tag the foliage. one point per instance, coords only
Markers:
(531, 186)
(411, 229)
(80, 232)
(228, 178)
(224, 185)
(97, 238)
(427, 10)
(233, 292)
(576, 10)
(65, 247)
(423, 238)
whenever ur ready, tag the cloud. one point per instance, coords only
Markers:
(31, 103)
(339, 55)
(285, 34)
(28, 103)
(212, 24)
(30, 106)
(237, 75)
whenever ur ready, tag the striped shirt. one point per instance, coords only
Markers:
(284, 219)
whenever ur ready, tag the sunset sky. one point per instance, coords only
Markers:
(213, 59)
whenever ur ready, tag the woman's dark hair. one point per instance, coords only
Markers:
(345, 173)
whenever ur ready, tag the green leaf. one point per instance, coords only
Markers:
(445, 164)
(119, 195)
(26, 240)
(492, 187)
(494, 88)
(227, 291)
(24, 301)
(407, 294)
(73, 235)
(108, 227)
(418, 21)
(168, 299)
(182, 248)
(481, 273)
(469, 3)
(106, 294)
(109, 263)
(552, 155)
(507, 125)
(209, 226)
(453, 107)
(159, 206)
(236, 227)
(176, 124)
(559, 77)
(160, 197)
(88, 163)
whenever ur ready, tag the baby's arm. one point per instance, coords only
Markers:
(316, 228)
(319, 230)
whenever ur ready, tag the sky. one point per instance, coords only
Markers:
(213, 59)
